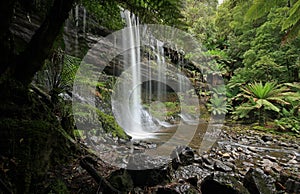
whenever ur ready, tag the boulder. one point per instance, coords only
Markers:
(182, 155)
(258, 183)
(222, 183)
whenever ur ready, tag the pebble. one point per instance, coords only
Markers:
(273, 159)
(226, 155)
(267, 163)
(248, 164)
(252, 149)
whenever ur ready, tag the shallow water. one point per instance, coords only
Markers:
(182, 135)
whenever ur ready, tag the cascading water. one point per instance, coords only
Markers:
(135, 119)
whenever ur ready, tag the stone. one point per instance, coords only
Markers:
(222, 183)
(267, 163)
(226, 155)
(292, 161)
(248, 164)
(276, 167)
(207, 160)
(292, 186)
(252, 149)
(182, 155)
(220, 166)
(219, 153)
(266, 138)
(209, 167)
(198, 159)
(258, 183)
(273, 159)
(284, 144)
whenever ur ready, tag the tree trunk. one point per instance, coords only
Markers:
(38, 49)
(6, 46)
(262, 116)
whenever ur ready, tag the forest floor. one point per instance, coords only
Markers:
(235, 153)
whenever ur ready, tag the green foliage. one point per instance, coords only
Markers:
(217, 105)
(199, 19)
(262, 97)
(106, 13)
(58, 73)
(149, 11)
(291, 24)
(290, 121)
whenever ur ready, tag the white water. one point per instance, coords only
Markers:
(135, 119)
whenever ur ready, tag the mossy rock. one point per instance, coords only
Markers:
(90, 118)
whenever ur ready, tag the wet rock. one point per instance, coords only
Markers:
(207, 160)
(226, 155)
(248, 164)
(252, 149)
(182, 156)
(271, 158)
(276, 167)
(148, 171)
(267, 163)
(186, 172)
(283, 144)
(292, 161)
(220, 166)
(292, 186)
(266, 138)
(209, 167)
(258, 183)
(176, 189)
(198, 159)
(222, 183)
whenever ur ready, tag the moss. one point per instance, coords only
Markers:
(97, 120)
(110, 125)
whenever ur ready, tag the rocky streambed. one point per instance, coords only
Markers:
(241, 161)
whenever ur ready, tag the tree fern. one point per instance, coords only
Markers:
(262, 97)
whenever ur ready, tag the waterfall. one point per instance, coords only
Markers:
(84, 21)
(132, 115)
(160, 60)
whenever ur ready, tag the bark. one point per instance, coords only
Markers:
(39, 47)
